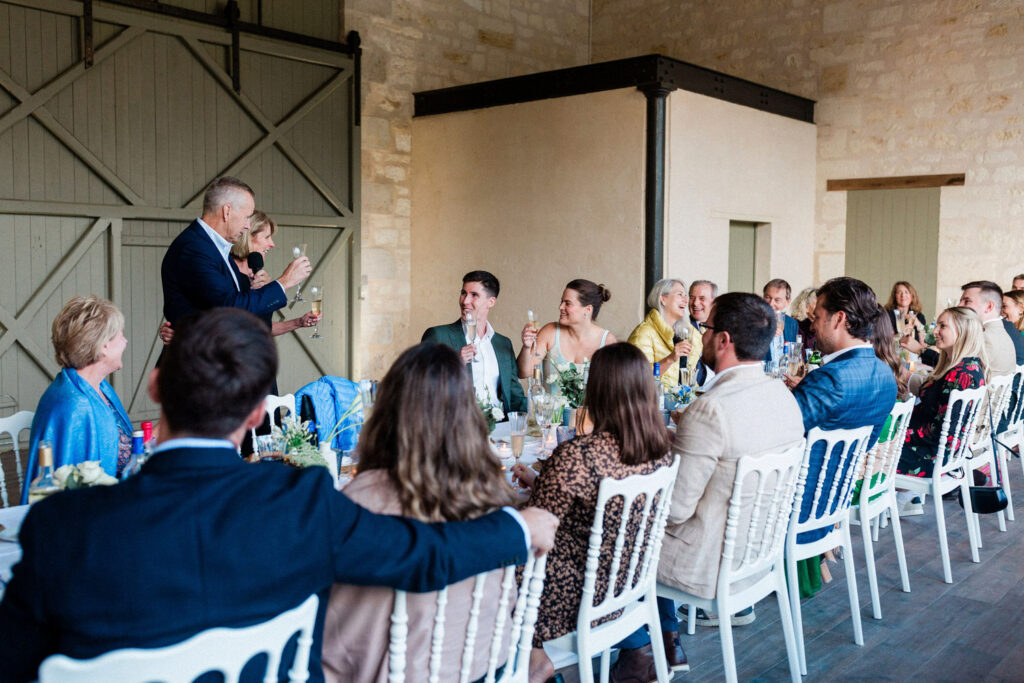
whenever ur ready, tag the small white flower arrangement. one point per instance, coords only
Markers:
(296, 441)
(681, 395)
(493, 413)
(572, 381)
(82, 475)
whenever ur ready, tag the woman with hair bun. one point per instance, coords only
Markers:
(574, 337)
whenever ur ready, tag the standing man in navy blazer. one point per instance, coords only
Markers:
(491, 360)
(200, 539)
(198, 272)
(853, 388)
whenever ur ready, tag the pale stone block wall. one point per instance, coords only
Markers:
(413, 45)
(903, 88)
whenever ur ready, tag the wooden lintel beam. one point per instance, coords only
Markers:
(897, 182)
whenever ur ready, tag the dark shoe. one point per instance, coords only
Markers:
(979, 478)
(741, 618)
(674, 651)
(557, 678)
(634, 666)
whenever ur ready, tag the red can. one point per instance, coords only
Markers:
(147, 431)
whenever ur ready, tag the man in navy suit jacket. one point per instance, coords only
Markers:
(853, 388)
(201, 539)
(197, 271)
(777, 294)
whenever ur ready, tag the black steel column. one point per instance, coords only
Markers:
(654, 186)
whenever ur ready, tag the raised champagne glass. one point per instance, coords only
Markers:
(317, 292)
(297, 251)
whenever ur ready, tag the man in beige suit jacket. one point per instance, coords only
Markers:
(743, 413)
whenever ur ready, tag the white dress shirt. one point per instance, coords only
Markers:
(484, 365)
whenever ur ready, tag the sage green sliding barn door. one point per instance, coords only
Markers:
(894, 235)
(101, 167)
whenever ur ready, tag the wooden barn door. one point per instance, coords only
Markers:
(102, 166)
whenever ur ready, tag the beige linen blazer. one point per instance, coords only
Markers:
(1000, 353)
(743, 413)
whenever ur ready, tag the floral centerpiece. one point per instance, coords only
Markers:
(492, 411)
(679, 395)
(82, 475)
(571, 380)
(297, 441)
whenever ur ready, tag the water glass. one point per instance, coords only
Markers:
(347, 466)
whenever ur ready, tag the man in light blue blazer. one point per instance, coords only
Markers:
(853, 387)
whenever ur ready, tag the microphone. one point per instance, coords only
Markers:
(681, 332)
(255, 261)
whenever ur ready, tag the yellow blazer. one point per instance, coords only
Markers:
(654, 338)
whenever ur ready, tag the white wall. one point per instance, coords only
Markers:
(730, 162)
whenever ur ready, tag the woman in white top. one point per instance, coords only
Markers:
(575, 336)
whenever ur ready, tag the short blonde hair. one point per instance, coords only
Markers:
(81, 329)
(804, 300)
(260, 222)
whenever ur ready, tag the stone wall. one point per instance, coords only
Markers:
(903, 88)
(415, 45)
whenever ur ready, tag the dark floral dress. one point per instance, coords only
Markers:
(919, 451)
(567, 487)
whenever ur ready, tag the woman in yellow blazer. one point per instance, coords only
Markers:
(667, 321)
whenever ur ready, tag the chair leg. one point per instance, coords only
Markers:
(786, 617)
(794, 606)
(654, 628)
(897, 533)
(691, 620)
(1004, 478)
(585, 665)
(728, 653)
(851, 586)
(940, 523)
(973, 528)
(869, 560)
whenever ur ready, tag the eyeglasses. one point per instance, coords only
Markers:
(704, 327)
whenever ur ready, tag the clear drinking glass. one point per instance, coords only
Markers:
(317, 292)
(517, 432)
(472, 338)
(297, 251)
(532, 319)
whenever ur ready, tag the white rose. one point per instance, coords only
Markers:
(105, 480)
(90, 471)
(63, 475)
(497, 413)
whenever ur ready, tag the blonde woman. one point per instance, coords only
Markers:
(414, 463)
(1013, 308)
(960, 339)
(666, 322)
(79, 413)
(802, 309)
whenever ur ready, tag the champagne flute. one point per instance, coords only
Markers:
(317, 292)
(517, 433)
(297, 251)
(532, 319)
(471, 326)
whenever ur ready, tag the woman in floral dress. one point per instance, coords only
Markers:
(960, 339)
(629, 437)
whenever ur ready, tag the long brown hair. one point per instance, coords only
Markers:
(882, 339)
(915, 300)
(620, 400)
(1018, 296)
(429, 435)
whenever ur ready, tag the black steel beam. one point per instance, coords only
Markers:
(640, 72)
(654, 186)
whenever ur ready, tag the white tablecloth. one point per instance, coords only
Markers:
(502, 447)
(10, 552)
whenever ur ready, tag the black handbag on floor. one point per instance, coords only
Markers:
(988, 500)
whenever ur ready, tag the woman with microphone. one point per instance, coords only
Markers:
(663, 336)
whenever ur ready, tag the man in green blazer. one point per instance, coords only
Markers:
(488, 355)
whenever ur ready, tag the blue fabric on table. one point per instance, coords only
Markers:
(79, 424)
(332, 396)
(853, 390)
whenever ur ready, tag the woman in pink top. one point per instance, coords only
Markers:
(423, 454)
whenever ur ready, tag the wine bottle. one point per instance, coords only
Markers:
(43, 485)
(307, 413)
(535, 390)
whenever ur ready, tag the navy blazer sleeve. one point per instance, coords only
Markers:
(196, 278)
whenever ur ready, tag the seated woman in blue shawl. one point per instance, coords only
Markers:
(79, 413)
